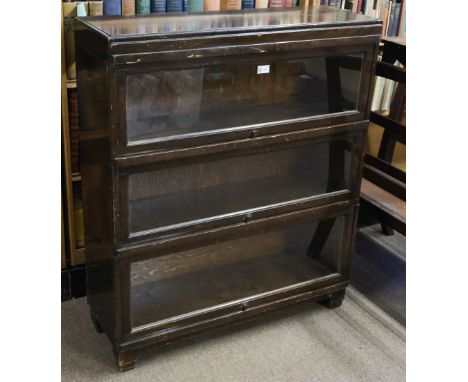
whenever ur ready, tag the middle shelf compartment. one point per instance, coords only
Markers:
(165, 198)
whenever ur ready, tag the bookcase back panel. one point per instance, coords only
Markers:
(205, 277)
(160, 200)
(163, 104)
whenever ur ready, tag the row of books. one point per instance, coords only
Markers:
(132, 7)
(391, 12)
(384, 91)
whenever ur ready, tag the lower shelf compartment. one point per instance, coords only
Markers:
(192, 280)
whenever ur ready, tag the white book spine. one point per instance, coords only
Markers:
(387, 95)
(378, 92)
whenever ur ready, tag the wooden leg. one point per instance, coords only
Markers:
(335, 300)
(126, 360)
(96, 323)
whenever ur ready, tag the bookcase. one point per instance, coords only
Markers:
(221, 160)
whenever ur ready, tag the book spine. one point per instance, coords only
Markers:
(143, 7)
(389, 18)
(392, 17)
(195, 6)
(229, 5)
(96, 8)
(174, 6)
(396, 19)
(359, 6)
(275, 4)
(384, 17)
(259, 4)
(402, 24)
(112, 7)
(158, 6)
(248, 4)
(287, 3)
(378, 92)
(128, 7)
(212, 5)
(82, 9)
(69, 12)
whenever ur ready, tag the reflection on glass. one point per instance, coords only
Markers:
(234, 21)
(175, 195)
(186, 281)
(168, 103)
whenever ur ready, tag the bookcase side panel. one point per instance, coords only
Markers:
(96, 186)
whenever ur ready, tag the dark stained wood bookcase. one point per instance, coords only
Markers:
(221, 160)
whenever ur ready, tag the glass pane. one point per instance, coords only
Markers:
(175, 195)
(190, 280)
(177, 102)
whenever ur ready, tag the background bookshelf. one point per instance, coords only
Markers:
(392, 12)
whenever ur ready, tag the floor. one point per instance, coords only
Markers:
(363, 340)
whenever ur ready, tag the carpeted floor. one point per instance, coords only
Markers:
(358, 341)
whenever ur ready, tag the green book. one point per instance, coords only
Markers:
(143, 6)
(195, 6)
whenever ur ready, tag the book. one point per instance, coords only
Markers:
(174, 6)
(390, 20)
(212, 5)
(389, 16)
(82, 9)
(396, 19)
(348, 4)
(378, 92)
(261, 4)
(275, 4)
(158, 6)
(142, 7)
(69, 12)
(227, 5)
(95, 8)
(389, 87)
(384, 11)
(112, 7)
(402, 25)
(248, 4)
(195, 6)
(128, 7)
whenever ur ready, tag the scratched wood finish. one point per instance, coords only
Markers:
(239, 193)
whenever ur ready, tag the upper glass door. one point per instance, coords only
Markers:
(168, 103)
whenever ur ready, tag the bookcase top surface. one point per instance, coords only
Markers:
(225, 21)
